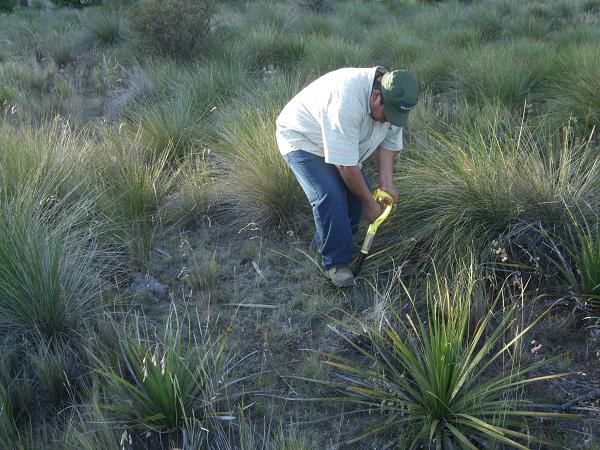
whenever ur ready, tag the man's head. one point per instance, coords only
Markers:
(398, 93)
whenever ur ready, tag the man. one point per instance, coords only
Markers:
(325, 133)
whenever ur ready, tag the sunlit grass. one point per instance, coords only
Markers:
(135, 181)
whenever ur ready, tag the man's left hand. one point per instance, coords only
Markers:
(392, 191)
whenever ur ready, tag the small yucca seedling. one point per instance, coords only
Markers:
(167, 379)
(436, 379)
(582, 246)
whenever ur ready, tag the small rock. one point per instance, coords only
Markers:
(146, 283)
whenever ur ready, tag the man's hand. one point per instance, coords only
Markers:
(371, 210)
(392, 191)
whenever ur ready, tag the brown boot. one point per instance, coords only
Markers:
(341, 276)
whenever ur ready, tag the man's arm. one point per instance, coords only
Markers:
(385, 160)
(353, 178)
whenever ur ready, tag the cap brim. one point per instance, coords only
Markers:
(397, 118)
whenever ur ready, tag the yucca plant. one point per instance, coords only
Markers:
(576, 254)
(168, 378)
(434, 382)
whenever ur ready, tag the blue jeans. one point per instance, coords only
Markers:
(337, 211)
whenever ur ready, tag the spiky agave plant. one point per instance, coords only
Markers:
(438, 380)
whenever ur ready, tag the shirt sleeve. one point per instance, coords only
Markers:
(340, 128)
(393, 139)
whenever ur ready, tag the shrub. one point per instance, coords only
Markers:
(172, 27)
(433, 382)
(76, 3)
(7, 5)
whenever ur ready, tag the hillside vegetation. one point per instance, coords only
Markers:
(156, 286)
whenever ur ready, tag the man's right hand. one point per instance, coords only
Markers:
(371, 210)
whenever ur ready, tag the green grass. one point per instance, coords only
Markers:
(173, 126)
(135, 181)
(573, 92)
(104, 27)
(178, 175)
(462, 189)
(259, 186)
(49, 273)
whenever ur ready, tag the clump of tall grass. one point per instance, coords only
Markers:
(433, 381)
(194, 191)
(210, 85)
(393, 47)
(49, 274)
(279, 16)
(135, 181)
(169, 125)
(510, 82)
(324, 54)
(103, 27)
(47, 161)
(168, 379)
(465, 186)
(258, 185)
(573, 93)
(266, 47)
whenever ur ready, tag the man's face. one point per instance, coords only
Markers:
(377, 109)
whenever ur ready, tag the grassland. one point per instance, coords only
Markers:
(156, 287)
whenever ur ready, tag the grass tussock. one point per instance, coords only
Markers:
(259, 185)
(464, 191)
(135, 181)
(50, 278)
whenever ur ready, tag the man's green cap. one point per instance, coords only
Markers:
(400, 92)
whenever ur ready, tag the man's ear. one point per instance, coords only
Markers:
(375, 94)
